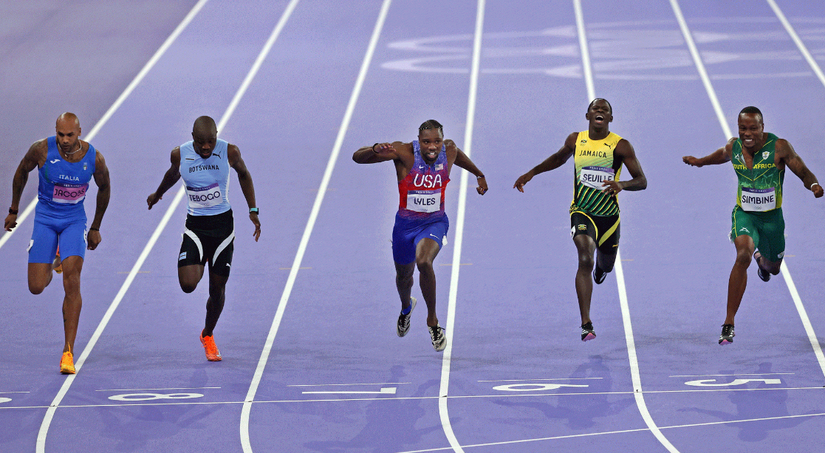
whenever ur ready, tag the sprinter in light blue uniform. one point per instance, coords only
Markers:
(66, 165)
(209, 236)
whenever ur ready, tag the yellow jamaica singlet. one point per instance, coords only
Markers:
(594, 164)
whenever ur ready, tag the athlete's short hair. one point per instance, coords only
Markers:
(600, 99)
(752, 110)
(431, 124)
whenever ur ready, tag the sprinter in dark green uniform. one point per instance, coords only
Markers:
(598, 156)
(757, 225)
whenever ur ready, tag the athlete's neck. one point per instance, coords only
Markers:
(598, 134)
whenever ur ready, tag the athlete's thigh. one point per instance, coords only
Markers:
(743, 223)
(43, 244)
(772, 236)
(73, 240)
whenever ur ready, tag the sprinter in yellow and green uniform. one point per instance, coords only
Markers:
(757, 226)
(598, 156)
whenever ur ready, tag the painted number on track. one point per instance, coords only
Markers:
(713, 383)
(533, 387)
(132, 397)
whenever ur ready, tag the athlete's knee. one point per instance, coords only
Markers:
(187, 286)
(743, 257)
(37, 287)
(424, 264)
(586, 261)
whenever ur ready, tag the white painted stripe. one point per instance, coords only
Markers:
(587, 71)
(194, 237)
(223, 245)
(125, 94)
(316, 207)
(700, 67)
(459, 233)
(803, 315)
(41, 437)
(799, 44)
(628, 328)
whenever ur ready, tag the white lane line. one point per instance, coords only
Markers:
(125, 94)
(459, 233)
(155, 390)
(316, 207)
(809, 330)
(726, 375)
(700, 67)
(341, 385)
(803, 315)
(799, 44)
(628, 328)
(44, 427)
(539, 380)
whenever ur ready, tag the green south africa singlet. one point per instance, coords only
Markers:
(594, 164)
(760, 188)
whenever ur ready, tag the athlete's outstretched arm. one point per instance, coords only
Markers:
(248, 189)
(463, 161)
(638, 181)
(34, 156)
(378, 152)
(556, 160)
(720, 156)
(788, 155)
(101, 176)
(171, 176)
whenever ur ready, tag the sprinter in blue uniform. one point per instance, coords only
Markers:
(66, 165)
(204, 164)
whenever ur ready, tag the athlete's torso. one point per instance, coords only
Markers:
(595, 163)
(206, 180)
(421, 192)
(63, 185)
(759, 188)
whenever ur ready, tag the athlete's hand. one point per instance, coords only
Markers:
(521, 181)
(93, 239)
(692, 161)
(253, 216)
(383, 148)
(11, 222)
(611, 187)
(153, 198)
(482, 185)
(816, 189)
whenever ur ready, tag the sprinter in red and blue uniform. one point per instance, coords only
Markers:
(423, 169)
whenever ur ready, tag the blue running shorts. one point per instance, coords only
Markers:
(408, 232)
(48, 232)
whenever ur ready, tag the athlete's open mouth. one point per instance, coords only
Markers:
(599, 118)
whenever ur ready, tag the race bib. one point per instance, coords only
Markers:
(69, 193)
(596, 176)
(758, 199)
(424, 201)
(204, 197)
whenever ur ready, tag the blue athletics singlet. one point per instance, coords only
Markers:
(421, 192)
(63, 185)
(206, 180)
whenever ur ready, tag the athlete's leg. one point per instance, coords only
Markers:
(215, 302)
(40, 275)
(189, 276)
(769, 266)
(739, 275)
(41, 256)
(585, 247)
(605, 261)
(72, 302)
(425, 252)
(404, 282)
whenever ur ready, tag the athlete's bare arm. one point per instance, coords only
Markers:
(171, 176)
(35, 157)
(720, 156)
(247, 187)
(638, 181)
(101, 176)
(463, 161)
(787, 156)
(556, 160)
(400, 153)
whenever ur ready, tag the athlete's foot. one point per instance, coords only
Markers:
(727, 334)
(587, 331)
(599, 275)
(67, 363)
(764, 275)
(57, 264)
(212, 353)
